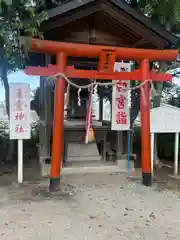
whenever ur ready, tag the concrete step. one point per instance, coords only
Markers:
(88, 163)
(45, 168)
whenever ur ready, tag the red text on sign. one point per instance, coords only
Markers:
(19, 116)
(121, 118)
(19, 129)
(19, 93)
(120, 85)
(120, 102)
(18, 105)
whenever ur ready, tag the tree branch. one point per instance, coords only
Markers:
(135, 107)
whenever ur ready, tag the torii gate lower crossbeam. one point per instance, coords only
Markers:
(107, 57)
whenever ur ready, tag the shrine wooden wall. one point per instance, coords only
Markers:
(95, 29)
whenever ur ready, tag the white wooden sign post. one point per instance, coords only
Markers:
(152, 153)
(20, 127)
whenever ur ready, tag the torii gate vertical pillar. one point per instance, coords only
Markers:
(145, 126)
(58, 124)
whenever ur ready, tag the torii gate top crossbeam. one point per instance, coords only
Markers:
(94, 51)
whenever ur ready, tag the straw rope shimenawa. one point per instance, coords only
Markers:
(95, 83)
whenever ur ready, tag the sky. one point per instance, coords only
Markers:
(20, 77)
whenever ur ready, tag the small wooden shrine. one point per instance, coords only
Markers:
(95, 22)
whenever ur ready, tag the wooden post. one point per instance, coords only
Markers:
(43, 149)
(45, 124)
(104, 147)
(101, 109)
(119, 143)
(58, 125)
(145, 126)
(20, 160)
(47, 110)
(176, 153)
(152, 152)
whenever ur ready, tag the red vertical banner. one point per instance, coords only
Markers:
(89, 132)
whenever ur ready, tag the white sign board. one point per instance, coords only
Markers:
(19, 106)
(121, 100)
(165, 119)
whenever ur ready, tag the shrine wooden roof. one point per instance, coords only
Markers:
(116, 17)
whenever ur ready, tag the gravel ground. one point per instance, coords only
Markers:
(89, 207)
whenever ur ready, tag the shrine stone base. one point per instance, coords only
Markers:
(80, 153)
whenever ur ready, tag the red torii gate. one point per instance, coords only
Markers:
(107, 57)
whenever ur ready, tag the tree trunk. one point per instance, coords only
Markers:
(11, 142)
(44, 143)
(101, 108)
(135, 107)
(4, 78)
(6, 89)
(3, 69)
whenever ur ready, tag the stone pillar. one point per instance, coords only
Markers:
(119, 145)
(121, 158)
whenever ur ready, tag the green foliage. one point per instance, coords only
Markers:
(4, 139)
(137, 140)
(29, 145)
(19, 17)
(170, 91)
(165, 144)
(165, 12)
(35, 102)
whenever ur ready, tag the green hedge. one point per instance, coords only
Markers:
(166, 142)
(29, 146)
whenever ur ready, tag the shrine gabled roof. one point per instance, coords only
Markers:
(72, 10)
